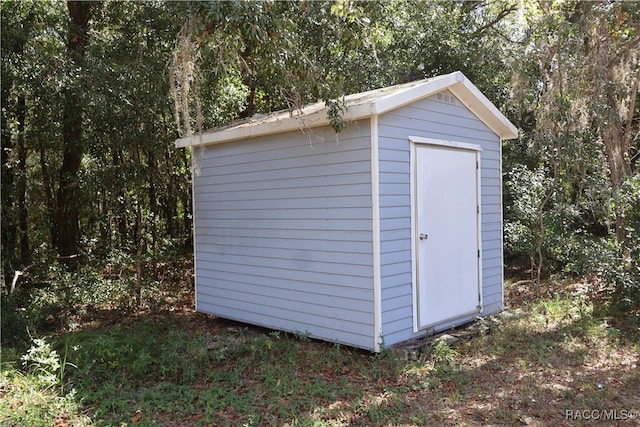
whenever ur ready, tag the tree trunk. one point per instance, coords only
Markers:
(47, 184)
(120, 228)
(21, 184)
(153, 205)
(617, 144)
(619, 169)
(139, 232)
(616, 66)
(139, 247)
(68, 203)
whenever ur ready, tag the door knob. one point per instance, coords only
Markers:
(424, 236)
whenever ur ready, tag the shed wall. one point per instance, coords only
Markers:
(431, 118)
(283, 227)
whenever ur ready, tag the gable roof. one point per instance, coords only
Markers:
(359, 106)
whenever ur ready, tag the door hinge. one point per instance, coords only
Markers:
(478, 253)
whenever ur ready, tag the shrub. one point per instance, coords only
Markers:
(617, 263)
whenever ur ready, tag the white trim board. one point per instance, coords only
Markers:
(414, 250)
(375, 218)
(444, 143)
(193, 228)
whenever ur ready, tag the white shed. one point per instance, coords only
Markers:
(385, 232)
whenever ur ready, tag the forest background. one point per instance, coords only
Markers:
(96, 203)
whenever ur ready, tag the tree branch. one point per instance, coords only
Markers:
(503, 13)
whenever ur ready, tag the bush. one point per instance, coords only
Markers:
(619, 263)
(524, 192)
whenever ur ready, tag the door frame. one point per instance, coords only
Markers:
(414, 142)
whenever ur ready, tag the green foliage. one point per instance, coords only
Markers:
(567, 207)
(618, 263)
(13, 322)
(43, 362)
(134, 187)
(569, 199)
(444, 357)
(524, 191)
(120, 367)
(54, 298)
(283, 55)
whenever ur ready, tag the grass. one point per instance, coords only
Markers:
(183, 368)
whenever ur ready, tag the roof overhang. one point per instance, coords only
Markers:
(360, 106)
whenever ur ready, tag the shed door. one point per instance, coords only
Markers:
(447, 232)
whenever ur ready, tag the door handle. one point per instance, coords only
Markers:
(424, 236)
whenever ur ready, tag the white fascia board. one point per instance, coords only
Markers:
(413, 93)
(475, 101)
(282, 122)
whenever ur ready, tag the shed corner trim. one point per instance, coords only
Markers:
(375, 218)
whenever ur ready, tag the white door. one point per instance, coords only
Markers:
(447, 232)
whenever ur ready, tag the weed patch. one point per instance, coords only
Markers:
(38, 395)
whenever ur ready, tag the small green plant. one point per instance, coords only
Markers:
(444, 356)
(32, 397)
(303, 336)
(46, 365)
(447, 368)
(43, 362)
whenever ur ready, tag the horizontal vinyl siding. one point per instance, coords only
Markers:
(283, 229)
(432, 119)
(395, 235)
